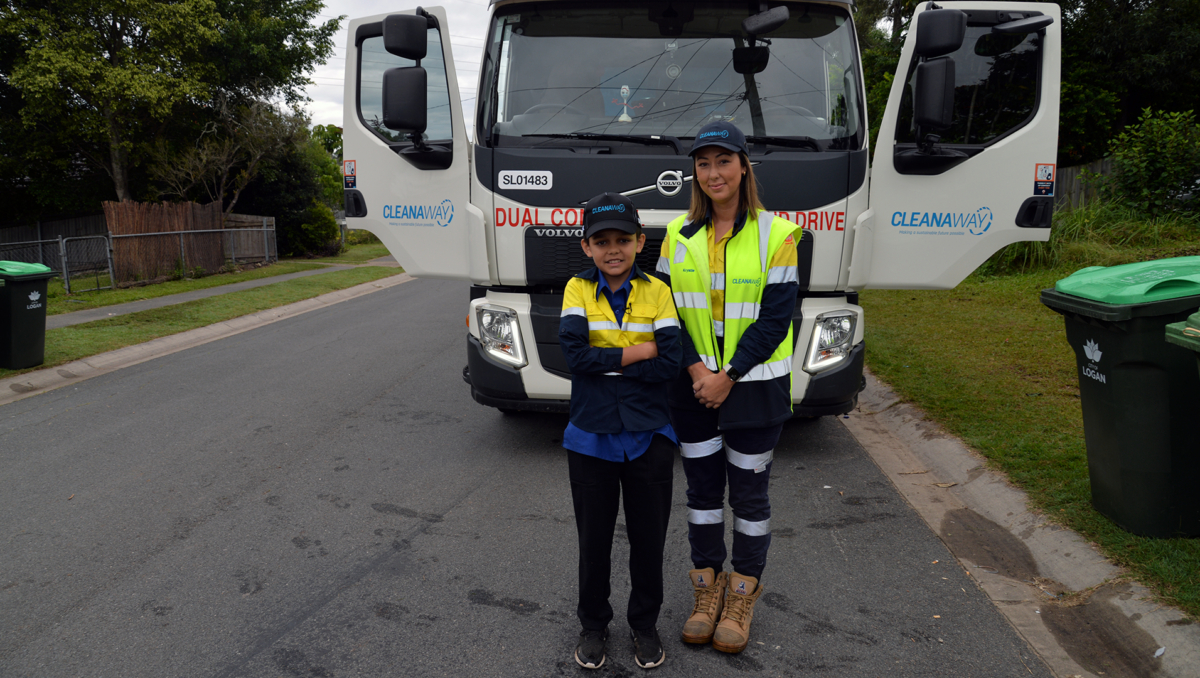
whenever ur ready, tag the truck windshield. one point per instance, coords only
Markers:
(615, 75)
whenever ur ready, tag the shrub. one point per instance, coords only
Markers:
(1099, 234)
(1156, 163)
(360, 236)
(317, 230)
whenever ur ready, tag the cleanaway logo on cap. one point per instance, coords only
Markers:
(608, 208)
(724, 134)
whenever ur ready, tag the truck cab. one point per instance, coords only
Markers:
(575, 98)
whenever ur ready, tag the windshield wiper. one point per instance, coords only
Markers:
(788, 142)
(655, 140)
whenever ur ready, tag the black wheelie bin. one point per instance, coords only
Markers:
(1140, 395)
(23, 314)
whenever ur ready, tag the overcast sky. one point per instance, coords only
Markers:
(468, 28)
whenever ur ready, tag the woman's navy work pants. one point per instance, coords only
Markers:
(644, 484)
(713, 459)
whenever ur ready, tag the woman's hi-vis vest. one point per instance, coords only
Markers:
(747, 272)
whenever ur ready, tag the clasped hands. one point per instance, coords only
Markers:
(710, 388)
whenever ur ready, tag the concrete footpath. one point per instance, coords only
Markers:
(1074, 608)
(86, 316)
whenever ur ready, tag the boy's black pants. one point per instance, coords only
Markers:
(645, 485)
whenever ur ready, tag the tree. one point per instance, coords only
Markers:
(103, 82)
(1119, 58)
(298, 188)
(105, 66)
(231, 151)
(330, 138)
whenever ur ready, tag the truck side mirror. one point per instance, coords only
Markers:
(406, 36)
(404, 100)
(933, 94)
(940, 32)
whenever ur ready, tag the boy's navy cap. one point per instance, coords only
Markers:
(609, 210)
(720, 133)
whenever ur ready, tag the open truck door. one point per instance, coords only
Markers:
(407, 160)
(965, 159)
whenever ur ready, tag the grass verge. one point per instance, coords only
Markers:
(355, 254)
(991, 364)
(66, 344)
(58, 301)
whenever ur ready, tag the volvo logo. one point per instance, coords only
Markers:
(670, 182)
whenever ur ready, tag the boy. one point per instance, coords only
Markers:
(620, 336)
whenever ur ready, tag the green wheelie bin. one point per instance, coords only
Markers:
(23, 314)
(1187, 335)
(1140, 395)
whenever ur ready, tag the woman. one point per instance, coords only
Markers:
(732, 271)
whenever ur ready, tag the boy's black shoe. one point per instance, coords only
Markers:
(589, 653)
(647, 648)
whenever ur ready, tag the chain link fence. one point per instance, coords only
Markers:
(89, 257)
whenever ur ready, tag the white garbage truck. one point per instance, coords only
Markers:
(578, 97)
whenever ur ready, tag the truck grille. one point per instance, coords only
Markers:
(552, 259)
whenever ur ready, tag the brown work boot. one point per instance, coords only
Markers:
(733, 631)
(709, 590)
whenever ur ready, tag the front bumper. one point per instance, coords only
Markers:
(500, 386)
(834, 391)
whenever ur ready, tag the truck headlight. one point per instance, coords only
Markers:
(500, 334)
(832, 339)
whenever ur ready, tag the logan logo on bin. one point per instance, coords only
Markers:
(33, 297)
(1092, 350)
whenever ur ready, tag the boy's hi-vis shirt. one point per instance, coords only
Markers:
(606, 398)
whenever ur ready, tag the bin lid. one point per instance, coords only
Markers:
(16, 270)
(1135, 283)
(1148, 288)
(1185, 334)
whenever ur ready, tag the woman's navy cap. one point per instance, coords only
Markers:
(609, 210)
(720, 133)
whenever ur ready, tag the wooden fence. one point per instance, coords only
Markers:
(165, 246)
(1070, 189)
(154, 240)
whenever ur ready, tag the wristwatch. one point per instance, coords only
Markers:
(733, 374)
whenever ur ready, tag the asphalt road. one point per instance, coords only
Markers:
(321, 497)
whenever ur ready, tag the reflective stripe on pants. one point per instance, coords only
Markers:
(708, 475)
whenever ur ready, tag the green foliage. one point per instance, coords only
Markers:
(91, 88)
(330, 138)
(108, 67)
(317, 230)
(879, 67)
(1086, 118)
(360, 236)
(1100, 234)
(1156, 163)
(328, 172)
(1118, 59)
(230, 152)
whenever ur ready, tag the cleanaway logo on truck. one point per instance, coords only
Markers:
(420, 215)
(943, 223)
